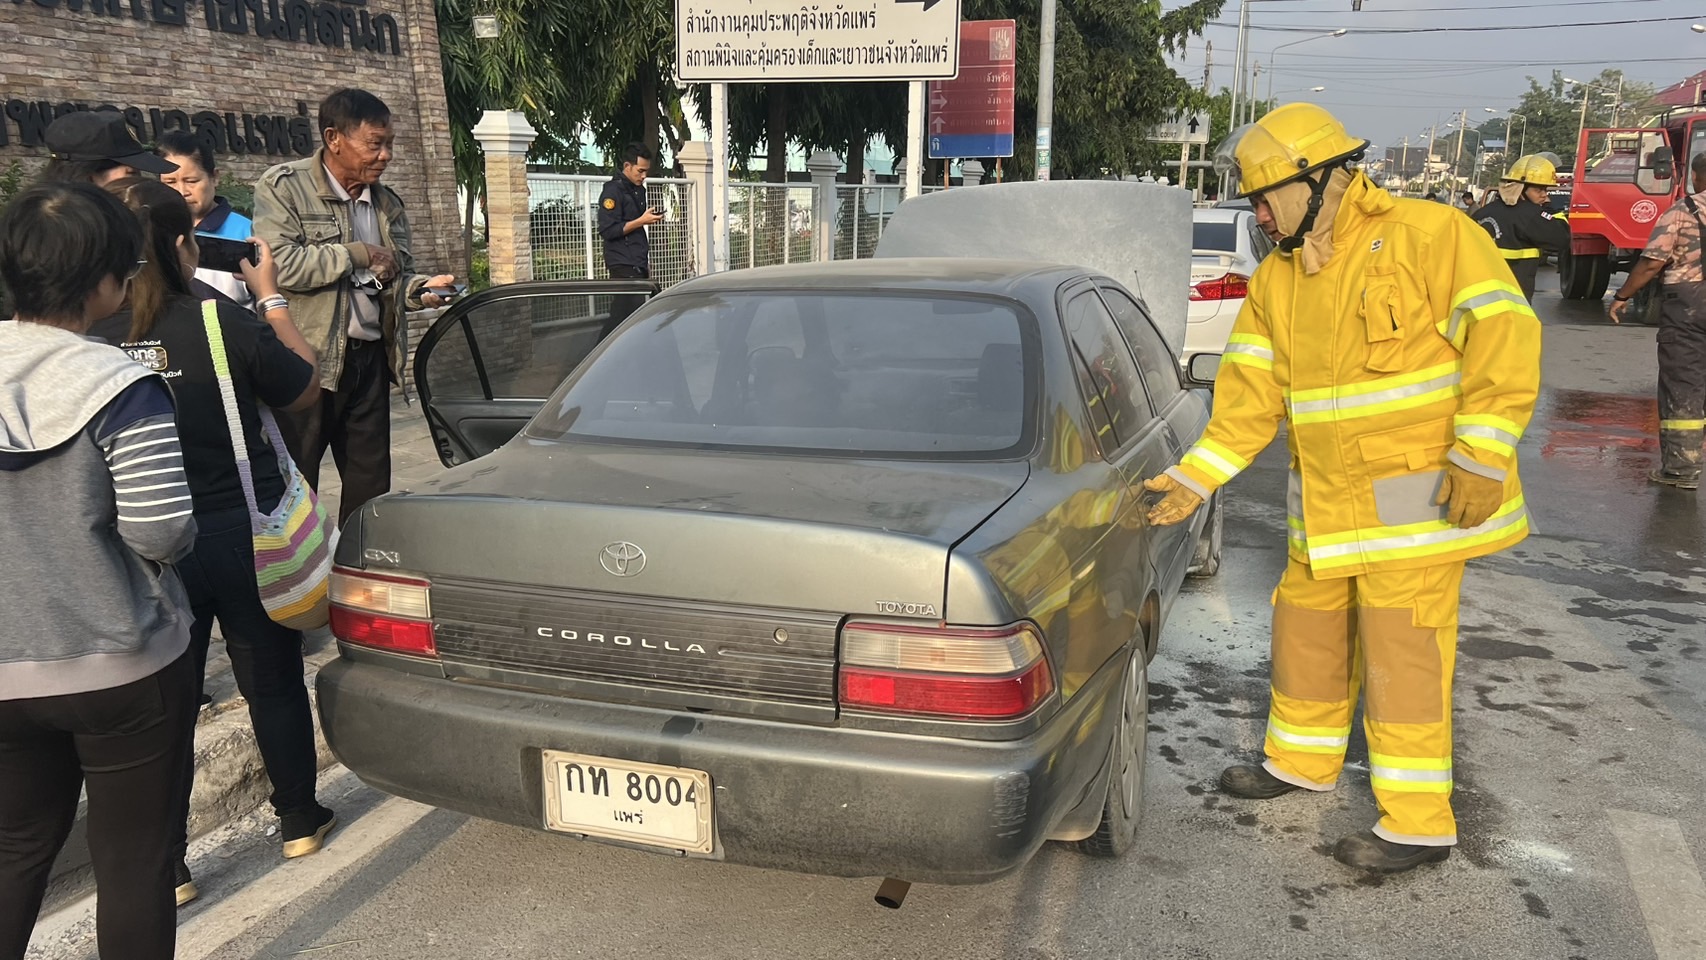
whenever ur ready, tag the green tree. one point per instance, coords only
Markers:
(1554, 111)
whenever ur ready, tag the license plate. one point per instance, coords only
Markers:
(624, 800)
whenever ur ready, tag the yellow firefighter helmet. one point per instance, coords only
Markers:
(1289, 143)
(1534, 170)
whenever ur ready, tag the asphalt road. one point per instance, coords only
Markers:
(1581, 746)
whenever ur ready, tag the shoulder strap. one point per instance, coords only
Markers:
(228, 394)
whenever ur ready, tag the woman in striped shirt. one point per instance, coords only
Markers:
(97, 687)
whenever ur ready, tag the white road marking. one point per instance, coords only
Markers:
(231, 918)
(1666, 881)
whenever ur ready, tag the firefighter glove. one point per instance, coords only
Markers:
(1178, 504)
(1469, 498)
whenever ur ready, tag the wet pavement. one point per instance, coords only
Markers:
(1581, 780)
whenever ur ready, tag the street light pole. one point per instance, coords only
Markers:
(1271, 57)
(1582, 121)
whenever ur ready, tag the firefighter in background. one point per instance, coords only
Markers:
(1391, 339)
(1519, 222)
(1675, 250)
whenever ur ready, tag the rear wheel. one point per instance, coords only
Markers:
(1123, 809)
(1206, 563)
(1647, 304)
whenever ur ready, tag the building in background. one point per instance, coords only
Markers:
(246, 77)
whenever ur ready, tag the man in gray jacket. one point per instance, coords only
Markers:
(341, 240)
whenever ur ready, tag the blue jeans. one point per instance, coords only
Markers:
(265, 657)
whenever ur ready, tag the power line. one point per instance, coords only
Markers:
(1369, 31)
(1490, 6)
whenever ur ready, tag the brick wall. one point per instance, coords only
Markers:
(163, 55)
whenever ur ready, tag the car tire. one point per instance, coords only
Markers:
(1206, 563)
(1116, 833)
(1647, 306)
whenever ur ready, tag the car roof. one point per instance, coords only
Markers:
(935, 274)
(1219, 214)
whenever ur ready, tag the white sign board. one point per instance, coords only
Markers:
(1189, 128)
(755, 41)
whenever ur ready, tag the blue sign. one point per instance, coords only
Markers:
(950, 146)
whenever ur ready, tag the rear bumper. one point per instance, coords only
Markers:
(787, 796)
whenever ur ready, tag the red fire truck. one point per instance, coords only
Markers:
(1625, 178)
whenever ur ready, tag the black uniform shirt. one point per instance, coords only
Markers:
(1522, 233)
(619, 204)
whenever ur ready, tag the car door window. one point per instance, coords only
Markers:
(1116, 386)
(516, 348)
(1160, 369)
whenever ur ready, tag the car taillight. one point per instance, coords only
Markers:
(971, 673)
(1233, 286)
(393, 614)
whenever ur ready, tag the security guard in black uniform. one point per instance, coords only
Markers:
(1517, 217)
(623, 215)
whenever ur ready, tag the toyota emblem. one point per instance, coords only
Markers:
(622, 559)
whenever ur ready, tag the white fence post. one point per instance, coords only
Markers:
(505, 136)
(971, 172)
(695, 159)
(823, 167)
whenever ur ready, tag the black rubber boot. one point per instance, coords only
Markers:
(1253, 782)
(1679, 481)
(1365, 851)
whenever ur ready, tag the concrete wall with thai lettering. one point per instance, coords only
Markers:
(247, 76)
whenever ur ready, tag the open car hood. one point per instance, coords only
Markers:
(1137, 233)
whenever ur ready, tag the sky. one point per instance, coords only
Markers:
(1387, 87)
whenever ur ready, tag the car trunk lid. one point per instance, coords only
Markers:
(616, 568)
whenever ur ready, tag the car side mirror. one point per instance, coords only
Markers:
(1202, 369)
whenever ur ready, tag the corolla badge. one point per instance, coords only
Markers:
(622, 559)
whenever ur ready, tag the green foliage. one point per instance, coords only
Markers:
(1554, 111)
(11, 181)
(239, 193)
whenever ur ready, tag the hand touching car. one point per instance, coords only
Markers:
(1178, 504)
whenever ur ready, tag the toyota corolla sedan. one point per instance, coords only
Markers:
(836, 568)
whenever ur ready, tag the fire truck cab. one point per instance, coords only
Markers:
(1624, 179)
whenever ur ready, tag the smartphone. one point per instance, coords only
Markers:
(225, 256)
(448, 294)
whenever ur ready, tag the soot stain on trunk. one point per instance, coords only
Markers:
(1536, 906)
(1581, 667)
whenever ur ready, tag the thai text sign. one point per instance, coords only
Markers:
(735, 41)
(972, 114)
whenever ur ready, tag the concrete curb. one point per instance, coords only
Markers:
(230, 779)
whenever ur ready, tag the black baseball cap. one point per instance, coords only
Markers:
(102, 135)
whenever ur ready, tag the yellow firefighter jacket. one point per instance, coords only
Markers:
(1411, 348)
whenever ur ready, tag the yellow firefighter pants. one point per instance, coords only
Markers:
(1394, 635)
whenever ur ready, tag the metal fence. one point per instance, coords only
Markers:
(564, 226)
(771, 223)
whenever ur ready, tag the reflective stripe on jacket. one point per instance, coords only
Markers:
(1413, 347)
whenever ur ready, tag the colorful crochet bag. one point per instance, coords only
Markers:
(293, 543)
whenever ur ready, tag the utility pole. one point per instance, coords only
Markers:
(1045, 92)
(1457, 158)
(1404, 169)
(1250, 96)
(1208, 90)
(1238, 59)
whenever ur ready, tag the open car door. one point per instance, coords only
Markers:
(488, 363)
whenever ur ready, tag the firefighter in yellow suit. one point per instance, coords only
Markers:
(1392, 340)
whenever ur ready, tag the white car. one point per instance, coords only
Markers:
(1226, 246)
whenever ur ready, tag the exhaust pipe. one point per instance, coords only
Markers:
(892, 893)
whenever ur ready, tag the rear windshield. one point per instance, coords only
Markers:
(853, 374)
(1214, 236)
